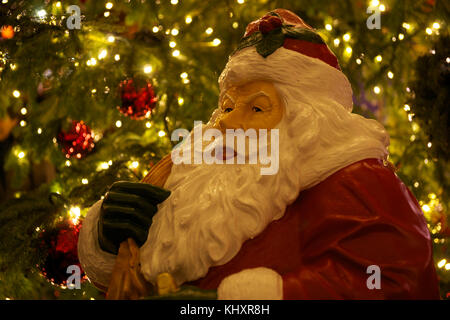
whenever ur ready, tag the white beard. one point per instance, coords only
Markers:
(212, 210)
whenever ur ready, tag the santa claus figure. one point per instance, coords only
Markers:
(334, 222)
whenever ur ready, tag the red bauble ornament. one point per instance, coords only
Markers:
(78, 141)
(60, 243)
(7, 32)
(137, 102)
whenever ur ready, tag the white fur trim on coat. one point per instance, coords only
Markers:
(96, 263)
(252, 284)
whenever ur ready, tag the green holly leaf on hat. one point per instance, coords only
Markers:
(270, 42)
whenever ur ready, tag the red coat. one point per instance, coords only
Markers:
(361, 215)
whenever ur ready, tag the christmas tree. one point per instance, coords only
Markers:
(91, 91)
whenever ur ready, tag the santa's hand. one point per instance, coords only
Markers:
(127, 212)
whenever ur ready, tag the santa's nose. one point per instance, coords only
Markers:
(231, 124)
(234, 120)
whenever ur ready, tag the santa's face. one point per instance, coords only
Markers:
(252, 105)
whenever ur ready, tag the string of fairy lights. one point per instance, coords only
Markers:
(342, 42)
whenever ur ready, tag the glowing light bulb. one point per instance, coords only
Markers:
(336, 42)
(176, 53)
(240, 1)
(106, 14)
(188, 19)
(416, 184)
(401, 36)
(390, 75)
(23, 123)
(382, 7)
(378, 58)
(216, 42)
(155, 29)
(84, 181)
(172, 44)
(102, 54)
(42, 14)
(235, 25)
(148, 124)
(447, 266)
(117, 57)
(39, 131)
(358, 61)
(174, 32)
(209, 30)
(134, 165)
(118, 123)
(184, 75)
(346, 37)
(148, 68)
(91, 62)
(376, 89)
(428, 31)
(174, 2)
(329, 27)
(58, 4)
(180, 101)
(406, 107)
(111, 38)
(161, 133)
(405, 25)
(109, 5)
(16, 93)
(429, 144)
(436, 25)
(348, 50)
(21, 155)
(374, 3)
(24, 111)
(426, 208)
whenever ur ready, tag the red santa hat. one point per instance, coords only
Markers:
(282, 27)
(282, 48)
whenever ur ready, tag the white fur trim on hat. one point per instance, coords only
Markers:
(290, 68)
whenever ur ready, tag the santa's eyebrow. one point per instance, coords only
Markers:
(257, 94)
(229, 97)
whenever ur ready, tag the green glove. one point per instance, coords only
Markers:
(127, 212)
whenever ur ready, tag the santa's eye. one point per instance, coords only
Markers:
(226, 110)
(256, 109)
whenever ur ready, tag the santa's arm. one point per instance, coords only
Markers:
(97, 263)
(364, 216)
